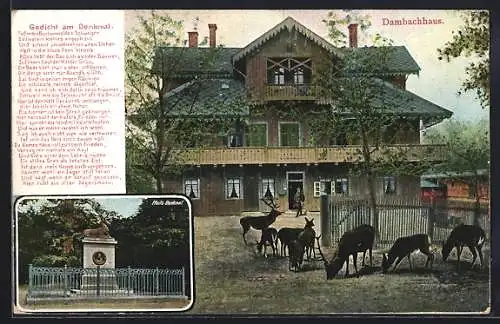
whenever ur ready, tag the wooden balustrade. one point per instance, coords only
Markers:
(291, 155)
(290, 92)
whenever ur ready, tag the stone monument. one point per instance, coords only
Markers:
(98, 254)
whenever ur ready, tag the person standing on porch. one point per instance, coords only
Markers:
(299, 201)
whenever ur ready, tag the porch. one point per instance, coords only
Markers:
(305, 155)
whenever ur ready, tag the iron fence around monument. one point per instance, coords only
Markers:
(61, 283)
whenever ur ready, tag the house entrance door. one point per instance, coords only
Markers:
(295, 180)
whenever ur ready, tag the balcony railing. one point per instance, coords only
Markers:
(290, 92)
(312, 155)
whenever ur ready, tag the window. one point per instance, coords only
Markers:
(341, 186)
(234, 140)
(389, 185)
(322, 186)
(192, 188)
(279, 76)
(298, 76)
(289, 70)
(256, 134)
(289, 134)
(233, 188)
(268, 188)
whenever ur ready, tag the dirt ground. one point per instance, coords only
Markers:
(232, 278)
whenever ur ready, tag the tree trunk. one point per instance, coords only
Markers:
(373, 203)
(477, 204)
(159, 184)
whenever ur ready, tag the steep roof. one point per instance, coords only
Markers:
(407, 103)
(401, 102)
(221, 97)
(191, 61)
(399, 60)
(289, 23)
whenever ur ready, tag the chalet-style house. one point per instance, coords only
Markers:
(270, 154)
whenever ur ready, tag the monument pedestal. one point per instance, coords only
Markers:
(99, 265)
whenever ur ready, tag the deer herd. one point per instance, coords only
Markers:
(300, 242)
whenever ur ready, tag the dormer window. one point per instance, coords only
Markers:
(287, 71)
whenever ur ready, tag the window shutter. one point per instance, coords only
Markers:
(317, 189)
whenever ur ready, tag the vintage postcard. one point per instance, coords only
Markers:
(336, 161)
(104, 253)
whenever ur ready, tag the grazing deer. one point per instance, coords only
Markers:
(260, 222)
(269, 237)
(296, 250)
(404, 247)
(357, 240)
(307, 237)
(462, 235)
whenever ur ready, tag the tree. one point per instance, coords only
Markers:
(164, 83)
(156, 236)
(468, 150)
(47, 228)
(361, 109)
(472, 40)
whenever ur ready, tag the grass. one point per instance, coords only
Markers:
(232, 278)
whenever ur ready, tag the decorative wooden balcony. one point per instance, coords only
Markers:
(290, 92)
(303, 155)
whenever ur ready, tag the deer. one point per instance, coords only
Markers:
(269, 237)
(286, 235)
(404, 247)
(307, 236)
(357, 240)
(462, 235)
(260, 222)
(296, 249)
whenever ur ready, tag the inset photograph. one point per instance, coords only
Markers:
(103, 253)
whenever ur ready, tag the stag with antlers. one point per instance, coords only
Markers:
(260, 222)
(357, 240)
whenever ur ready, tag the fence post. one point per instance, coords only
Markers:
(98, 288)
(30, 278)
(430, 219)
(326, 221)
(65, 278)
(128, 280)
(156, 281)
(183, 283)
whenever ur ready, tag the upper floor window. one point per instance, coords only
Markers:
(289, 70)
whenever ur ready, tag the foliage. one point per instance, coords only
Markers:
(472, 40)
(468, 148)
(155, 236)
(468, 145)
(155, 133)
(47, 228)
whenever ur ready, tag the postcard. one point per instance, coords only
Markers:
(333, 161)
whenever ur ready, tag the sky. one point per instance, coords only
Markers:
(126, 207)
(438, 81)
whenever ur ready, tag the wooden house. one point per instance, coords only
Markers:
(458, 186)
(271, 154)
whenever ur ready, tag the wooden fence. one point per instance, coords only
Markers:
(402, 216)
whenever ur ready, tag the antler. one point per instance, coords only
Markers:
(271, 203)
